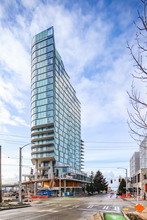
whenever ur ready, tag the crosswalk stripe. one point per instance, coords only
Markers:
(90, 206)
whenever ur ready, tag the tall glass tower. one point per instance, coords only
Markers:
(55, 109)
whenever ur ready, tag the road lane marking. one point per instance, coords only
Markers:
(67, 205)
(107, 207)
(12, 213)
(104, 207)
(76, 206)
(90, 206)
(38, 216)
(50, 210)
(98, 210)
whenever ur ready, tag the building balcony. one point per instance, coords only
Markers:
(42, 125)
(47, 137)
(49, 143)
(42, 151)
(40, 159)
(44, 131)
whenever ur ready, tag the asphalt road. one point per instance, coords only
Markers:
(68, 208)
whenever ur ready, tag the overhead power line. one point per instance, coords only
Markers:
(6, 140)
(84, 141)
(109, 149)
(108, 142)
(15, 135)
(14, 158)
(100, 162)
(98, 167)
(12, 142)
(16, 165)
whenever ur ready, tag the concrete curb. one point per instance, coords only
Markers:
(102, 215)
(14, 207)
(97, 216)
(125, 215)
(135, 213)
(33, 203)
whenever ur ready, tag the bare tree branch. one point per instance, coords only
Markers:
(137, 122)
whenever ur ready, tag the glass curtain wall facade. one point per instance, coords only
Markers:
(55, 109)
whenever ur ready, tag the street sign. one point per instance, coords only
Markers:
(139, 207)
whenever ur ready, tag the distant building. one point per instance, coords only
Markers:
(134, 163)
(143, 154)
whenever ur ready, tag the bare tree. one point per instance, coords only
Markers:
(138, 118)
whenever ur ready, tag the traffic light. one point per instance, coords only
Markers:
(111, 181)
(144, 176)
(119, 180)
(139, 189)
(57, 172)
(31, 171)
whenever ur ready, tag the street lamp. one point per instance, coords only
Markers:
(20, 149)
(126, 177)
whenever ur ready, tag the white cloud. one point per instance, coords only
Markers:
(9, 164)
(20, 121)
(11, 95)
(95, 59)
(3, 129)
(6, 117)
(14, 57)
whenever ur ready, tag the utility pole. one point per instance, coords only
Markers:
(0, 178)
(126, 182)
(20, 200)
(60, 185)
(137, 194)
(20, 157)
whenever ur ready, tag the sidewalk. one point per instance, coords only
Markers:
(13, 205)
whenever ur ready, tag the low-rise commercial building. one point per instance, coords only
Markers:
(139, 182)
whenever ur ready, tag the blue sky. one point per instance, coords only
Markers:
(91, 37)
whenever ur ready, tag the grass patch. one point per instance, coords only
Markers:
(60, 200)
